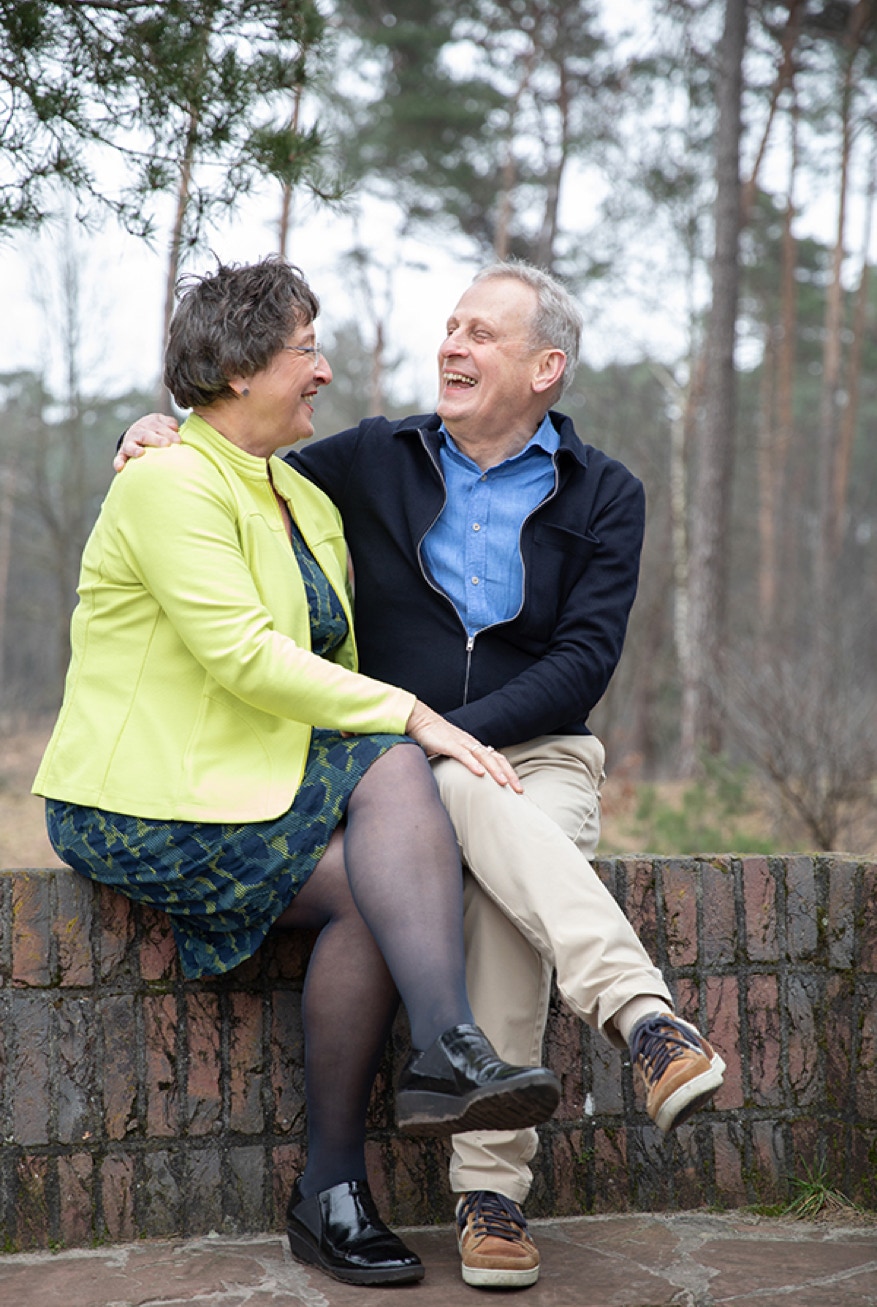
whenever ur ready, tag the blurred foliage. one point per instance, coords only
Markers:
(711, 815)
(157, 86)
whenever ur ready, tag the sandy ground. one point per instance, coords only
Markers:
(23, 839)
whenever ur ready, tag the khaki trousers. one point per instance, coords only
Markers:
(533, 904)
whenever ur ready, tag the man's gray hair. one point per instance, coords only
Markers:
(557, 322)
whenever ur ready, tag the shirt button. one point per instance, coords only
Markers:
(474, 580)
(476, 526)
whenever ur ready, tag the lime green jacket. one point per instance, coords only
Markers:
(192, 689)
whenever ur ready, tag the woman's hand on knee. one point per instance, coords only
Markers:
(436, 735)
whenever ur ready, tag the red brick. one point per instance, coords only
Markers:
(691, 1184)
(866, 1085)
(723, 1032)
(413, 1161)
(569, 1173)
(641, 905)
(75, 1177)
(680, 913)
(31, 929)
(116, 916)
(688, 1000)
(204, 1092)
(607, 869)
(117, 1195)
(206, 1194)
(32, 1224)
(563, 1055)
(841, 913)
(246, 1069)
(119, 1064)
(158, 952)
(287, 1061)
(868, 929)
(768, 1161)
(73, 928)
(381, 1112)
(728, 1154)
(762, 1004)
(29, 1071)
(287, 1164)
(801, 908)
(376, 1169)
(807, 1136)
(719, 912)
(606, 1091)
(760, 908)
(611, 1189)
(862, 1167)
(76, 1085)
(836, 1033)
(162, 1088)
(160, 1197)
(804, 1078)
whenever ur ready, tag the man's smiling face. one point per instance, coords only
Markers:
(487, 364)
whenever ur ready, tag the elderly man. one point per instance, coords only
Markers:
(496, 560)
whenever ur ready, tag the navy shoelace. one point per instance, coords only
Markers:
(493, 1215)
(657, 1042)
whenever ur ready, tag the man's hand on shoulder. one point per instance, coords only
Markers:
(154, 429)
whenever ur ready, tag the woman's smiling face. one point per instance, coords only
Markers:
(280, 398)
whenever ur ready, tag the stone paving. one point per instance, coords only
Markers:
(688, 1259)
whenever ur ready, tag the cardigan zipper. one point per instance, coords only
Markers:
(470, 639)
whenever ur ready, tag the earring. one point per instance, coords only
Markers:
(245, 391)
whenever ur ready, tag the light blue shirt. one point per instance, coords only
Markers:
(473, 549)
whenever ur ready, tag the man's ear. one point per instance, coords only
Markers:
(549, 370)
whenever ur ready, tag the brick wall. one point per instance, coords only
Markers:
(133, 1103)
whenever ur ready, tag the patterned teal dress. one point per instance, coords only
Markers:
(223, 886)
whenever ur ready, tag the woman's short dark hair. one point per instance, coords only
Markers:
(231, 323)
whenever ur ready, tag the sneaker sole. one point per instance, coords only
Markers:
(419, 1112)
(303, 1251)
(690, 1098)
(484, 1278)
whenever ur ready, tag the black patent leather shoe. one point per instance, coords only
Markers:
(340, 1231)
(461, 1083)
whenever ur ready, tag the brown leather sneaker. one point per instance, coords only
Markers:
(494, 1242)
(679, 1070)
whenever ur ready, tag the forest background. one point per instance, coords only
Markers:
(701, 173)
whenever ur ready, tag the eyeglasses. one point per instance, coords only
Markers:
(315, 351)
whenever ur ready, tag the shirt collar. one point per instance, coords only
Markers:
(545, 438)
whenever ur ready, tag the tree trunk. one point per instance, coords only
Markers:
(286, 196)
(8, 481)
(784, 77)
(767, 490)
(174, 251)
(551, 212)
(847, 434)
(829, 416)
(831, 375)
(506, 210)
(785, 386)
(714, 451)
(777, 421)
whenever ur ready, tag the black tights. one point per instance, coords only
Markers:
(386, 898)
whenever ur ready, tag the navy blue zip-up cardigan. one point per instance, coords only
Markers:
(540, 672)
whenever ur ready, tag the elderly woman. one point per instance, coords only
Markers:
(219, 757)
